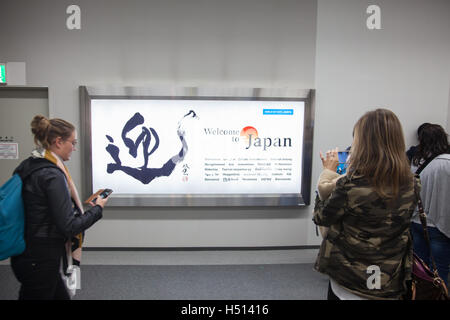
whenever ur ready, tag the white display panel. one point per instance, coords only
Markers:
(197, 147)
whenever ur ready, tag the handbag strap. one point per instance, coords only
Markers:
(423, 221)
(420, 168)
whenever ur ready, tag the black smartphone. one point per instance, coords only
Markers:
(342, 157)
(105, 193)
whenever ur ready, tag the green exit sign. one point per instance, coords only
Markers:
(2, 73)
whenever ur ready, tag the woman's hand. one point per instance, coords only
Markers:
(100, 201)
(331, 161)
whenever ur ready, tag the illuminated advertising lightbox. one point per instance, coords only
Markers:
(204, 151)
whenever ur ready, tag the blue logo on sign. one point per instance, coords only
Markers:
(278, 111)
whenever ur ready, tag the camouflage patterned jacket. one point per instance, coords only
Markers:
(366, 230)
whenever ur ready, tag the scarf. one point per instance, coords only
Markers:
(73, 246)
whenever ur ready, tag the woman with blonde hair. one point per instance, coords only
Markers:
(54, 215)
(367, 251)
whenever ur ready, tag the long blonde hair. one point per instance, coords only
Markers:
(378, 152)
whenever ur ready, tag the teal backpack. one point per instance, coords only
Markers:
(12, 218)
(12, 212)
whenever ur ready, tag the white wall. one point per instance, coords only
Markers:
(247, 43)
(405, 66)
(448, 112)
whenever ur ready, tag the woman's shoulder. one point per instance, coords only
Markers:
(358, 189)
(52, 170)
(50, 173)
(351, 181)
(441, 162)
(444, 157)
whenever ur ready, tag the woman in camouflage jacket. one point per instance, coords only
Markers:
(367, 250)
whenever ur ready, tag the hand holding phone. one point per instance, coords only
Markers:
(100, 202)
(99, 198)
(104, 194)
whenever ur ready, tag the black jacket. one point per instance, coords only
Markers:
(49, 210)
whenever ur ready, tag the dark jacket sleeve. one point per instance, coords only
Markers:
(61, 209)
